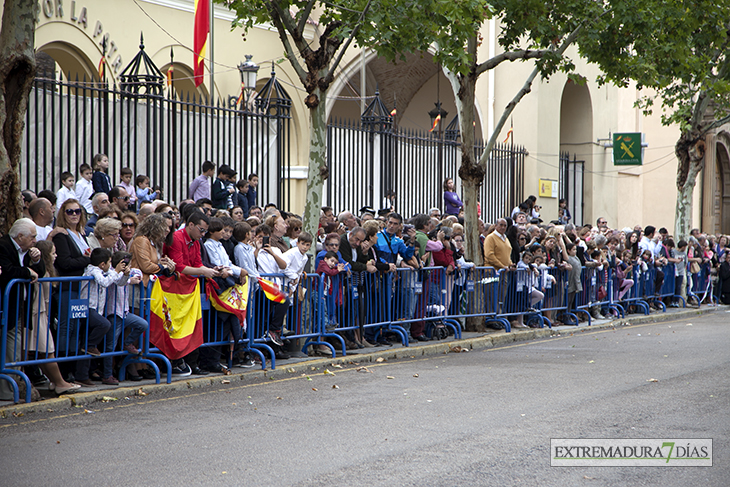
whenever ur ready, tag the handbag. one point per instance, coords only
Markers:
(694, 268)
(602, 293)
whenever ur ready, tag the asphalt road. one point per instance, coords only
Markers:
(477, 418)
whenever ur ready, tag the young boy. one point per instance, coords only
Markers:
(117, 312)
(126, 183)
(66, 192)
(241, 198)
(143, 191)
(200, 187)
(331, 266)
(253, 182)
(225, 323)
(85, 188)
(219, 192)
(104, 276)
(231, 187)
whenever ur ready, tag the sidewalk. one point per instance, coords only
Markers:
(297, 366)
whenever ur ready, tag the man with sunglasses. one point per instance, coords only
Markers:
(119, 198)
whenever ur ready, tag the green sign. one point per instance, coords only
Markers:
(627, 149)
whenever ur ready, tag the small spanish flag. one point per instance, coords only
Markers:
(392, 113)
(240, 96)
(102, 64)
(436, 122)
(272, 291)
(170, 70)
(509, 133)
(176, 316)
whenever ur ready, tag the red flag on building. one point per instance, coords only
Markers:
(102, 64)
(170, 71)
(200, 38)
(176, 317)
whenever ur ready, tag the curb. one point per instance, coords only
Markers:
(442, 348)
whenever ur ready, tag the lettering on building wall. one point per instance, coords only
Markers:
(54, 9)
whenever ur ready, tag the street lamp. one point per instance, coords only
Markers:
(249, 71)
(434, 113)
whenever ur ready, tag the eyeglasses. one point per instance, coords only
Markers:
(125, 198)
(70, 212)
(128, 225)
(202, 231)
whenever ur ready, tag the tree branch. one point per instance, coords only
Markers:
(509, 56)
(526, 88)
(331, 73)
(276, 16)
(305, 15)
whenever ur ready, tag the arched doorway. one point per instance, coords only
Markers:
(721, 189)
(71, 62)
(576, 136)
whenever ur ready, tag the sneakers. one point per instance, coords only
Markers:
(287, 333)
(181, 370)
(131, 349)
(93, 351)
(246, 362)
(274, 337)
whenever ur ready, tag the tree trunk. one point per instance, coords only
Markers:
(690, 151)
(17, 70)
(318, 170)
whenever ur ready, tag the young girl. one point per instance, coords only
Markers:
(100, 179)
(624, 270)
(40, 339)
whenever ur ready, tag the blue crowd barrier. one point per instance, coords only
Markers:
(321, 309)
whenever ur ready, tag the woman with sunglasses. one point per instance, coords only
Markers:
(129, 225)
(72, 250)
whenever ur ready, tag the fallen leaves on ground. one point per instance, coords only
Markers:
(88, 411)
(415, 375)
(225, 381)
(140, 392)
(335, 386)
(380, 359)
(458, 349)
(108, 399)
(18, 415)
(652, 380)
(327, 372)
(336, 366)
(363, 369)
(389, 377)
(314, 389)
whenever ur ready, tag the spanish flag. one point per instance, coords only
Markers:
(170, 71)
(436, 122)
(233, 300)
(272, 291)
(201, 27)
(102, 64)
(176, 318)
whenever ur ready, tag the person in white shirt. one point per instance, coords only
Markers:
(41, 212)
(226, 323)
(66, 192)
(85, 188)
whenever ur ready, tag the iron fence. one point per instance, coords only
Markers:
(367, 160)
(162, 137)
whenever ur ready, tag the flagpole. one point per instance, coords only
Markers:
(212, 77)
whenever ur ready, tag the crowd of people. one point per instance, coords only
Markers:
(121, 235)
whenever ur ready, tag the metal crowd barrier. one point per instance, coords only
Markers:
(701, 285)
(323, 308)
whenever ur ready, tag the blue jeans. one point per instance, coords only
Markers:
(131, 322)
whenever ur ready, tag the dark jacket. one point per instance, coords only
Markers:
(101, 182)
(69, 259)
(241, 199)
(219, 194)
(13, 270)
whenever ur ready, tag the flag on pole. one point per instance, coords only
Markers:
(170, 70)
(509, 133)
(436, 122)
(392, 113)
(240, 97)
(272, 291)
(102, 64)
(201, 28)
(176, 317)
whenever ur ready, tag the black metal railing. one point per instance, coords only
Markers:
(163, 137)
(367, 160)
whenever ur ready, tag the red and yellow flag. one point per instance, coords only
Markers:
(272, 291)
(509, 133)
(240, 96)
(233, 300)
(436, 122)
(170, 71)
(201, 27)
(102, 64)
(176, 317)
